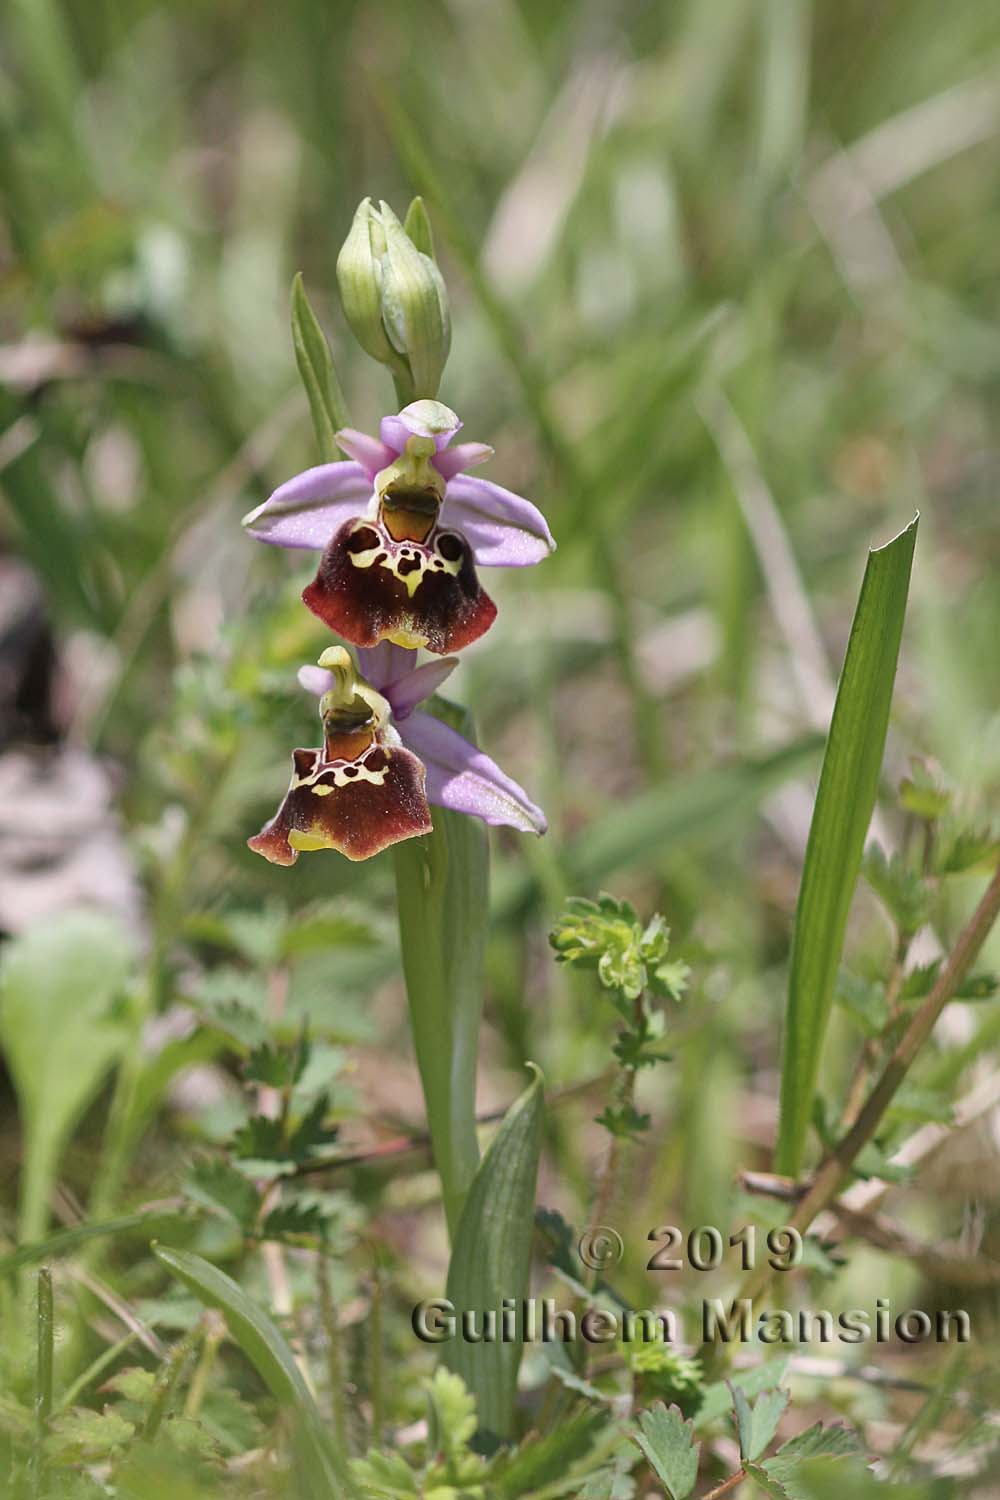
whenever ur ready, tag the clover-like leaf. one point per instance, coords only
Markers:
(834, 1442)
(668, 1444)
(758, 1423)
(221, 1187)
(903, 892)
(451, 1413)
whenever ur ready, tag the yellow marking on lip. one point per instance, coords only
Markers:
(398, 558)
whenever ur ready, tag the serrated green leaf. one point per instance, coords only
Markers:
(844, 803)
(491, 1258)
(967, 850)
(233, 1422)
(267, 1351)
(608, 1484)
(758, 1423)
(920, 794)
(384, 1474)
(902, 891)
(277, 1066)
(80, 1435)
(667, 1442)
(295, 1217)
(874, 1161)
(864, 1000)
(544, 1459)
(717, 1398)
(922, 1105)
(263, 1138)
(60, 1036)
(744, 1421)
(320, 930)
(318, 374)
(834, 1442)
(220, 1187)
(763, 1482)
(133, 1384)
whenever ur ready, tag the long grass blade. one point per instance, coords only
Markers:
(844, 804)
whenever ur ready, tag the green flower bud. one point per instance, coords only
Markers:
(394, 296)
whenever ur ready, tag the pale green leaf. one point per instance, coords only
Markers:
(668, 1444)
(718, 1396)
(758, 1423)
(60, 1036)
(816, 1442)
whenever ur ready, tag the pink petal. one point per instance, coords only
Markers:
(503, 529)
(461, 777)
(452, 461)
(385, 663)
(315, 680)
(306, 511)
(371, 454)
(406, 692)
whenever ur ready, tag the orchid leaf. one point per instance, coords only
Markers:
(845, 801)
(491, 1258)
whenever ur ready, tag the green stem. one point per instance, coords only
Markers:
(442, 890)
(334, 1352)
(43, 1379)
(376, 1389)
(168, 1377)
(215, 1332)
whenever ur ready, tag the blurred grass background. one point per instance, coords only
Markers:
(725, 280)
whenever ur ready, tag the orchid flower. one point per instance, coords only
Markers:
(382, 761)
(402, 526)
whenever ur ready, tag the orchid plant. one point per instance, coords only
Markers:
(402, 526)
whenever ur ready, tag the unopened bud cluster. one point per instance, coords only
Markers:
(394, 296)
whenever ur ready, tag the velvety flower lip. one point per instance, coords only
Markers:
(459, 775)
(362, 790)
(503, 530)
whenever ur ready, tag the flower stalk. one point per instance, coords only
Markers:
(442, 892)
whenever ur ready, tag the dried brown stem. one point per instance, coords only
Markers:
(837, 1166)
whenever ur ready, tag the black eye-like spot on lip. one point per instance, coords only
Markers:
(407, 565)
(377, 760)
(350, 770)
(449, 546)
(363, 540)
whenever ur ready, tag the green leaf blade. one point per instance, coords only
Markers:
(265, 1347)
(60, 1036)
(845, 801)
(491, 1258)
